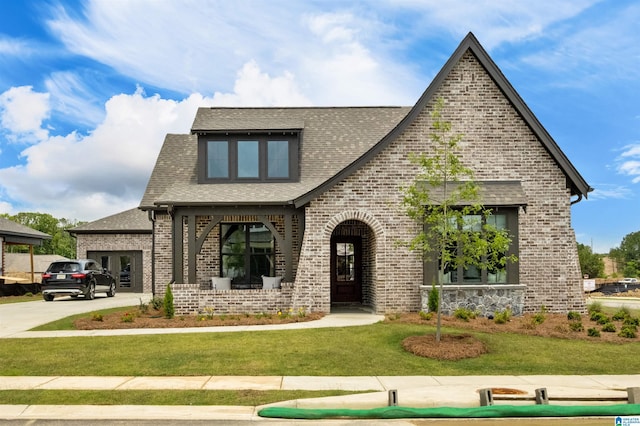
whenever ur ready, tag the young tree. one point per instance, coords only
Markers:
(445, 201)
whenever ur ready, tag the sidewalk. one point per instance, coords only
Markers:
(412, 391)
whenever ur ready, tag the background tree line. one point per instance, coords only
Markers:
(626, 256)
(61, 242)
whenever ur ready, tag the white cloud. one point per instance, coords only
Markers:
(629, 162)
(605, 191)
(71, 97)
(22, 112)
(90, 176)
(255, 88)
(493, 22)
(9, 46)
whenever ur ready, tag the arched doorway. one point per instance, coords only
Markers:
(352, 264)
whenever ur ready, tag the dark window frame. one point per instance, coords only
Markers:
(263, 138)
(431, 267)
(248, 255)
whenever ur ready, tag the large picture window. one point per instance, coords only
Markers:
(248, 158)
(504, 218)
(247, 252)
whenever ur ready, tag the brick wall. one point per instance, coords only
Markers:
(497, 145)
(119, 242)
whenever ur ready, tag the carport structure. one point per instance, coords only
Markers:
(12, 233)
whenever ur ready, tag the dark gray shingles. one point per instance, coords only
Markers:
(129, 221)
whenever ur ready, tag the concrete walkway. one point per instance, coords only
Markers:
(412, 391)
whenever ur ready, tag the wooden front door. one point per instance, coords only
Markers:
(346, 277)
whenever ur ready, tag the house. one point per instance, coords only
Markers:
(312, 196)
(122, 244)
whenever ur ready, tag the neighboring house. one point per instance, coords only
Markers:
(122, 244)
(312, 195)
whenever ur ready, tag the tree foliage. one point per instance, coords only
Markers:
(591, 264)
(61, 242)
(628, 254)
(442, 199)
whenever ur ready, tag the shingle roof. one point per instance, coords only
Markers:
(134, 221)
(335, 143)
(9, 228)
(332, 138)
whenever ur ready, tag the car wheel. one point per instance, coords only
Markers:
(112, 290)
(48, 297)
(90, 294)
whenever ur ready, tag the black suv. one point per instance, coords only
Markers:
(77, 277)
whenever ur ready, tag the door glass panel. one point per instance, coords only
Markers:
(345, 259)
(125, 271)
(248, 159)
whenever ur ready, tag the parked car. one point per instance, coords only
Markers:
(77, 277)
(629, 281)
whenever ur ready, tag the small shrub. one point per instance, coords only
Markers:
(464, 314)
(609, 327)
(502, 317)
(600, 318)
(426, 315)
(576, 326)
(538, 318)
(28, 294)
(127, 317)
(635, 321)
(156, 303)
(169, 310)
(593, 332)
(628, 332)
(97, 317)
(621, 314)
(394, 316)
(302, 312)
(432, 301)
(574, 316)
(594, 307)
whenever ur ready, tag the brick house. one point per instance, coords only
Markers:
(121, 243)
(312, 196)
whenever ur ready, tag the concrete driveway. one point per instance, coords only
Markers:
(18, 317)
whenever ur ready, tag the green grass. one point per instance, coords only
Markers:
(20, 299)
(349, 351)
(158, 397)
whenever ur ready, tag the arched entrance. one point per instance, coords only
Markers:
(352, 264)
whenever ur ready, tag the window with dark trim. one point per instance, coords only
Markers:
(249, 157)
(500, 218)
(247, 252)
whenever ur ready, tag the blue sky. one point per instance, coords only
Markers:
(88, 89)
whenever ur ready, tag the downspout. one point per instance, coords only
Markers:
(578, 200)
(152, 218)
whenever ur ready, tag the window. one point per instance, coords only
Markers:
(248, 157)
(247, 252)
(500, 218)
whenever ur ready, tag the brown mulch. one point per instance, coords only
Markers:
(156, 319)
(460, 346)
(451, 347)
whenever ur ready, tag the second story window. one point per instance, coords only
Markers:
(248, 158)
